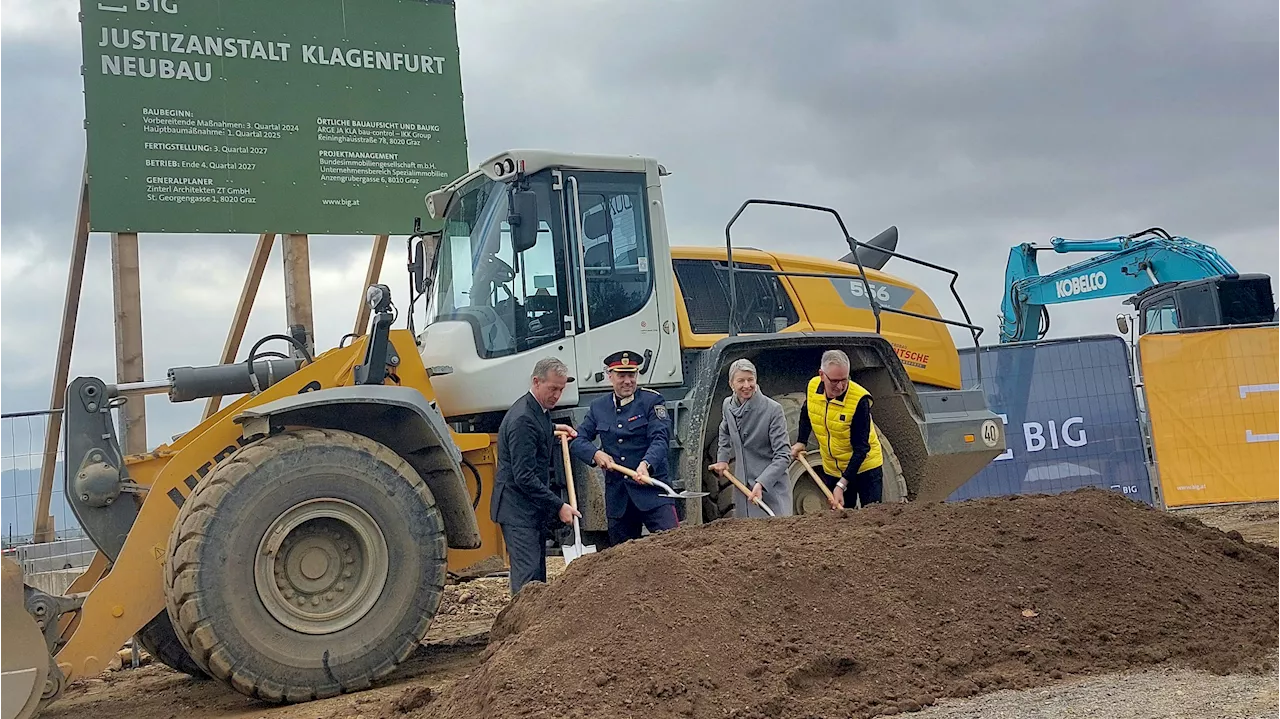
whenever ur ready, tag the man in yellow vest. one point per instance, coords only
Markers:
(838, 412)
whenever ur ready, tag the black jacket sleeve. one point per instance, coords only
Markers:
(530, 479)
(803, 427)
(859, 437)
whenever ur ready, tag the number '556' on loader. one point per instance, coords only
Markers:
(296, 544)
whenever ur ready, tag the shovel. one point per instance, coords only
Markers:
(577, 549)
(759, 502)
(686, 494)
(821, 484)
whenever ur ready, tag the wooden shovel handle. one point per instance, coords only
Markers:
(568, 469)
(821, 484)
(629, 472)
(743, 488)
(736, 482)
(616, 467)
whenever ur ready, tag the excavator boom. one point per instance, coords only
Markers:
(1128, 265)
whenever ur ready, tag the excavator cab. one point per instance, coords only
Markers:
(1218, 301)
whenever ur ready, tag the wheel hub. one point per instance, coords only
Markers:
(321, 566)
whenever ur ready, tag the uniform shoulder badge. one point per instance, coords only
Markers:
(660, 411)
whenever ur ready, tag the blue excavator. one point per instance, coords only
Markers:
(1172, 283)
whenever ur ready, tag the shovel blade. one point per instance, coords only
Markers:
(576, 550)
(669, 492)
(573, 551)
(686, 495)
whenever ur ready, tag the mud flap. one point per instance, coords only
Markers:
(25, 656)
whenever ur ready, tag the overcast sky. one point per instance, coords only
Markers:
(972, 126)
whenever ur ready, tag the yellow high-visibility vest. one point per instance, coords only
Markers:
(830, 420)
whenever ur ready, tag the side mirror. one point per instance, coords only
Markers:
(523, 219)
(1122, 324)
(418, 268)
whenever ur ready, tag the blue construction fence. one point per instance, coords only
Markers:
(1071, 419)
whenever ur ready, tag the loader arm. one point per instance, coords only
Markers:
(1129, 264)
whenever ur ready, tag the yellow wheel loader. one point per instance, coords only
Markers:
(295, 545)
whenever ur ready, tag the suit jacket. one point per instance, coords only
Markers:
(629, 433)
(522, 492)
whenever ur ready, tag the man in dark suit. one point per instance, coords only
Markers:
(633, 427)
(523, 504)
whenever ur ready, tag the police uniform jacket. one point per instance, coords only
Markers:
(629, 433)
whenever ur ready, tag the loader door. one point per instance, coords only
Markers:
(613, 269)
(496, 312)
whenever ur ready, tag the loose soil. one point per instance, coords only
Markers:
(875, 612)
(456, 646)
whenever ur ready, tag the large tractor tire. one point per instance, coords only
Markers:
(162, 643)
(720, 498)
(308, 564)
(806, 496)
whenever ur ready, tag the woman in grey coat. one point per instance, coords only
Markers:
(753, 434)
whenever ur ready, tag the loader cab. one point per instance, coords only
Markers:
(543, 255)
(1211, 302)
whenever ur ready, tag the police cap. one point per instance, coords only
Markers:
(623, 361)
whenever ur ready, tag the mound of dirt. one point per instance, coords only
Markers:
(876, 612)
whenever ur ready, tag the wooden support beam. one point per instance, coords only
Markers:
(371, 276)
(127, 300)
(43, 522)
(248, 293)
(297, 287)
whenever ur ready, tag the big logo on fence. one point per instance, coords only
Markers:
(1071, 419)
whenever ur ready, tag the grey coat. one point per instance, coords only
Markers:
(756, 443)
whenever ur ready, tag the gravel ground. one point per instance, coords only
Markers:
(1153, 694)
(1255, 521)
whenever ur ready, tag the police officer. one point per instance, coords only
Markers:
(633, 428)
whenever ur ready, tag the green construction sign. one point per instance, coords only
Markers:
(288, 116)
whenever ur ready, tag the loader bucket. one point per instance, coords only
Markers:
(25, 657)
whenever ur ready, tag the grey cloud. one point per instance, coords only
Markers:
(42, 157)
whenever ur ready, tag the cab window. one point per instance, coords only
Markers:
(615, 244)
(513, 302)
(1162, 317)
(763, 303)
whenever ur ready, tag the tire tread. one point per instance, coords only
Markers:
(196, 633)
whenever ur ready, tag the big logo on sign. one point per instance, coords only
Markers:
(1033, 434)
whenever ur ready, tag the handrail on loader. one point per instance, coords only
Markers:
(876, 307)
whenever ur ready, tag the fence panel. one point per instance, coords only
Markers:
(49, 565)
(1215, 419)
(1071, 419)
